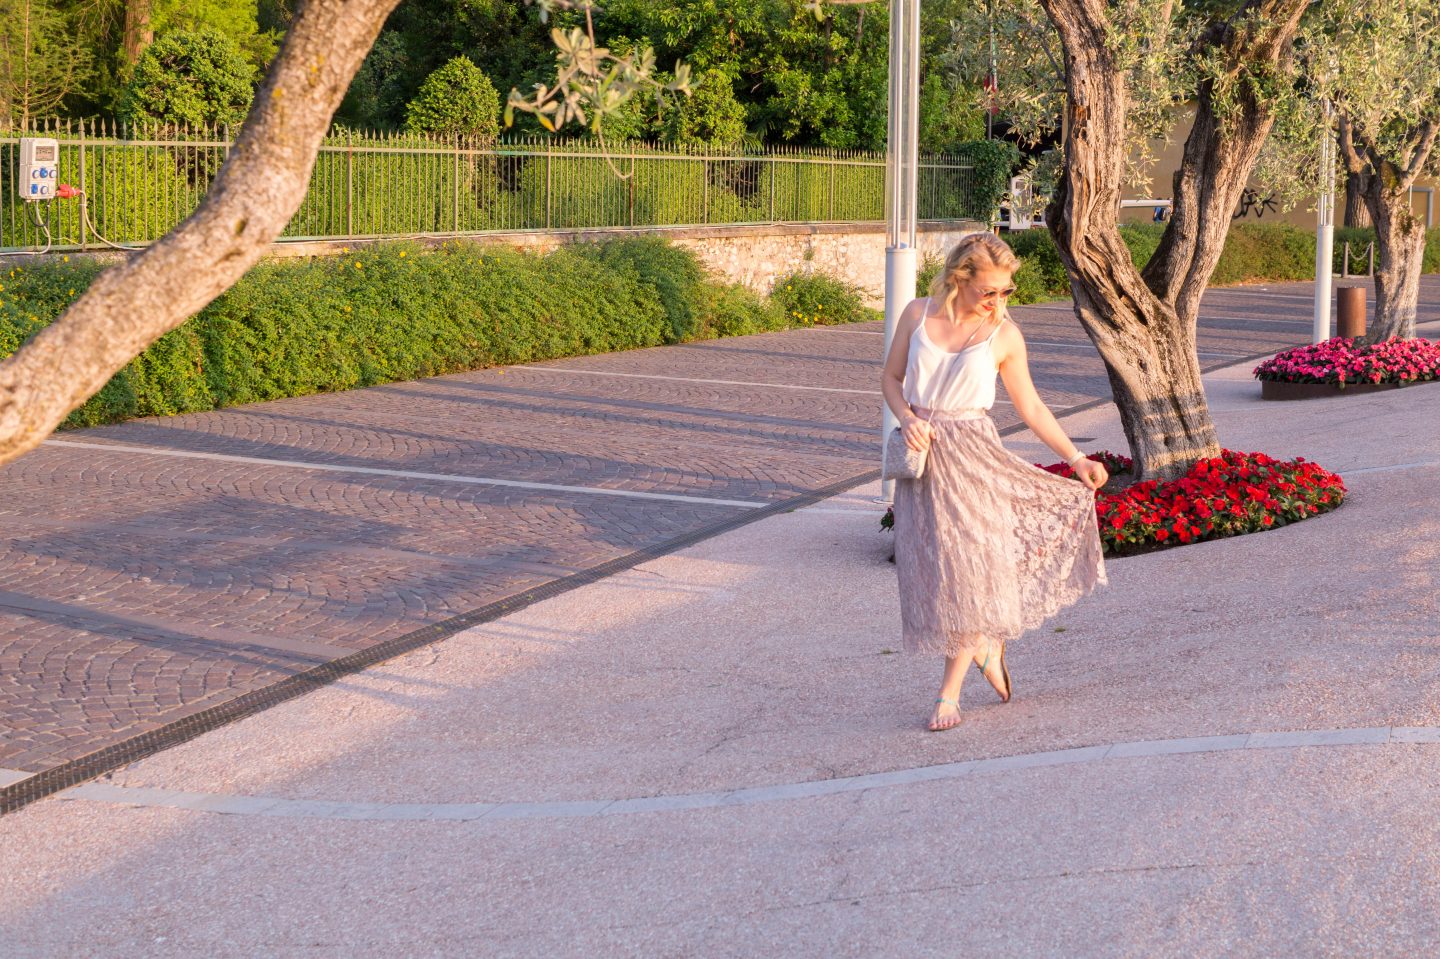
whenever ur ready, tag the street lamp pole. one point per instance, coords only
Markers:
(1324, 233)
(902, 158)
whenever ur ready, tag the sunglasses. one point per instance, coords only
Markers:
(1004, 294)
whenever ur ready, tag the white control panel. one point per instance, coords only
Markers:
(39, 168)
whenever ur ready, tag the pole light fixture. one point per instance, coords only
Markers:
(902, 159)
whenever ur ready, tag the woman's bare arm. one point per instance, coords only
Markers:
(1014, 364)
(892, 379)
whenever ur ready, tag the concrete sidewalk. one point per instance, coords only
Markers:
(1230, 751)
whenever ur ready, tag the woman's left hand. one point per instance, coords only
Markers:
(1091, 473)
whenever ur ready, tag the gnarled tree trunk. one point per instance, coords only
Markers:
(131, 305)
(1400, 243)
(1357, 211)
(1144, 326)
(1399, 233)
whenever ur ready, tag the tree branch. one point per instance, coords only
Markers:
(1354, 160)
(131, 305)
(1419, 152)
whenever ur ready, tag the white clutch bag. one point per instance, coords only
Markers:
(901, 462)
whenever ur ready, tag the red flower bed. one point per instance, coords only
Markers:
(1340, 362)
(1233, 493)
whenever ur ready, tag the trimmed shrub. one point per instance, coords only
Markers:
(1041, 275)
(457, 100)
(674, 274)
(190, 79)
(814, 299)
(930, 268)
(736, 310)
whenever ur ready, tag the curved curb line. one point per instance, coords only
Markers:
(151, 797)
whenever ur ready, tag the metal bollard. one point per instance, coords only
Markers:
(1350, 311)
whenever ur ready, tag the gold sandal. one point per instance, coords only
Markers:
(1005, 696)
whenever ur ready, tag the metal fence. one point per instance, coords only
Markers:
(139, 183)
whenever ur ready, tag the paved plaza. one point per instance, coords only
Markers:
(716, 750)
(158, 569)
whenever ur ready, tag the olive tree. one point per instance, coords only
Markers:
(1110, 76)
(259, 188)
(1230, 60)
(1378, 61)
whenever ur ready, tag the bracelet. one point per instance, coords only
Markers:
(1074, 459)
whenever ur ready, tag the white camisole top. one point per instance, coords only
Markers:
(972, 387)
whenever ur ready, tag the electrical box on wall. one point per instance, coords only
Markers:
(39, 168)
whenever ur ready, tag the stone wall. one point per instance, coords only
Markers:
(852, 251)
(752, 254)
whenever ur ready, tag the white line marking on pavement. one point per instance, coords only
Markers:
(1308, 297)
(8, 777)
(321, 809)
(687, 379)
(1069, 346)
(1389, 469)
(691, 379)
(406, 474)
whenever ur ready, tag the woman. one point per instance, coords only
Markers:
(986, 545)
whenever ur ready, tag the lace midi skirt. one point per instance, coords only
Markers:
(987, 544)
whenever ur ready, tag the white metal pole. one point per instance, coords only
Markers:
(901, 186)
(1324, 234)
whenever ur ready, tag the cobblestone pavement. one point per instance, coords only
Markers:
(154, 569)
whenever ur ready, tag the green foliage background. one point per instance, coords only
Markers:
(1253, 252)
(398, 312)
(189, 78)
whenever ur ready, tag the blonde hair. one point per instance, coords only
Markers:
(973, 252)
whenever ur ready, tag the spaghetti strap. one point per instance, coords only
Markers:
(995, 332)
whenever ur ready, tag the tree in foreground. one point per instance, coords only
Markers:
(259, 188)
(1228, 59)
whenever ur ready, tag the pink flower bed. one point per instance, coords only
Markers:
(1341, 362)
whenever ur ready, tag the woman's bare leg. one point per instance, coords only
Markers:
(991, 657)
(948, 714)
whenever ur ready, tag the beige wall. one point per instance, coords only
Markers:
(752, 254)
(1168, 154)
(855, 255)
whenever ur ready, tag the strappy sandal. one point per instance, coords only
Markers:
(1005, 697)
(951, 702)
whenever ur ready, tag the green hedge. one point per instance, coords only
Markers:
(1254, 252)
(399, 312)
